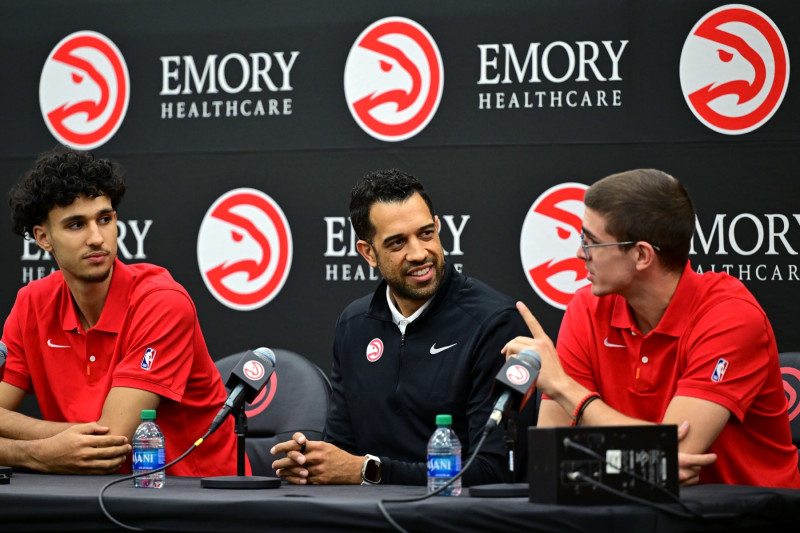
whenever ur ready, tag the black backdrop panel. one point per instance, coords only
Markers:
(484, 167)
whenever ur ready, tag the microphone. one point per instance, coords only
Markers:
(516, 377)
(247, 378)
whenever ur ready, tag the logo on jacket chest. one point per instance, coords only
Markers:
(374, 350)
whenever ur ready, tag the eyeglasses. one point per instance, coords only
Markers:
(587, 246)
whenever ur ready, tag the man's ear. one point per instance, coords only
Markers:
(42, 238)
(367, 252)
(436, 220)
(645, 255)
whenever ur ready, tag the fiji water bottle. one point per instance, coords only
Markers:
(444, 457)
(148, 452)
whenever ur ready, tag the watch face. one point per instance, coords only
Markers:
(373, 471)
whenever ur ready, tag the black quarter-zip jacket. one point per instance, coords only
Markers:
(444, 364)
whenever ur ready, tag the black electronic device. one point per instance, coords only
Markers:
(559, 457)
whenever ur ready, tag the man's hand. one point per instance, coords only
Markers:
(316, 462)
(79, 449)
(551, 376)
(689, 464)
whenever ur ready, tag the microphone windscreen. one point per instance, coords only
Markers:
(266, 352)
(531, 358)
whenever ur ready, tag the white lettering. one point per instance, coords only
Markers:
(773, 233)
(546, 62)
(732, 234)
(223, 77)
(486, 62)
(456, 232)
(589, 62)
(36, 255)
(168, 73)
(190, 74)
(330, 272)
(333, 236)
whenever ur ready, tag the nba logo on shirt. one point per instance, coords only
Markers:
(147, 360)
(719, 371)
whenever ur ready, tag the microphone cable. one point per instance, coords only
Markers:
(688, 511)
(472, 457)
(197, 443)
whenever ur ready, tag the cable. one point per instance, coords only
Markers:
(197, 443)
(690, 513)
(397, 526)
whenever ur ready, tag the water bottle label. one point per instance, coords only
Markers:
(444, 466)
(148, 459)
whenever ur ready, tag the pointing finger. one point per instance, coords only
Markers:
(536, 329)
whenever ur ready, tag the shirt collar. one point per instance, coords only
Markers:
(676, 316)
(398, 318)
(116, 305)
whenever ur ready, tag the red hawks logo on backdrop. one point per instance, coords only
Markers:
(549, 241)
(244, 249)
(734, 69)
(264, 397)
(393, 79)
(84, 90)
(791, 384)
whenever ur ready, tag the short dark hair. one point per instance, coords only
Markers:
(56, 179)
(647, 205)
(391, 185)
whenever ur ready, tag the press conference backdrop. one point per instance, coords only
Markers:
(243, 126)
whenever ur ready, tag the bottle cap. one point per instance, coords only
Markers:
(444, 420)
(148, 414)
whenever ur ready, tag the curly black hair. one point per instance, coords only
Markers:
(390, 185)
(56, 179)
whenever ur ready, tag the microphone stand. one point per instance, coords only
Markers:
(240, 480)
(509, 489)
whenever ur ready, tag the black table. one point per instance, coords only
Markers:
(35, 502)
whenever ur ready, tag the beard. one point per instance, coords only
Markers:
(400, 285)
(97, 277)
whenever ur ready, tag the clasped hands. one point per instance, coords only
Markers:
(316, 462)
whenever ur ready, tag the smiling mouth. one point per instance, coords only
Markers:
(422, 272)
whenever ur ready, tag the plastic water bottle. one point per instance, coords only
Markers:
(148, 452)
(444, 457)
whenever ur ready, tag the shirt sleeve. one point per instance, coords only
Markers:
(158, 352)
(15, 370)
(725, 356)
(339, 428)
(576, 346)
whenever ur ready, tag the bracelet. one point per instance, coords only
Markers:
(581, 407)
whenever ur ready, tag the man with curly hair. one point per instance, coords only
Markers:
(99, 341)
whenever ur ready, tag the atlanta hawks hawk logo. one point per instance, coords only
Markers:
(393, 79)
(734, 69)
(84, 90)
(549, 242)
(244, 249)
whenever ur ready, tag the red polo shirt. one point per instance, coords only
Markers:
(71, 370)
(714, 342)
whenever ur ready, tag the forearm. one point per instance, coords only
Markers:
(18, 453)
(570, 394)
(18, 427)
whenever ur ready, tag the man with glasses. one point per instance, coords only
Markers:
(652, 341)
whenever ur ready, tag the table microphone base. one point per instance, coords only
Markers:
(240, 482)
(500, 490)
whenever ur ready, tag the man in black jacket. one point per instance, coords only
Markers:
(426, 342)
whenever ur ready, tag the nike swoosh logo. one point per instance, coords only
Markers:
(611, 345)
(435, 350)
(50, 344)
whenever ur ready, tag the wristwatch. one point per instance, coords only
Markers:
(371, 471)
